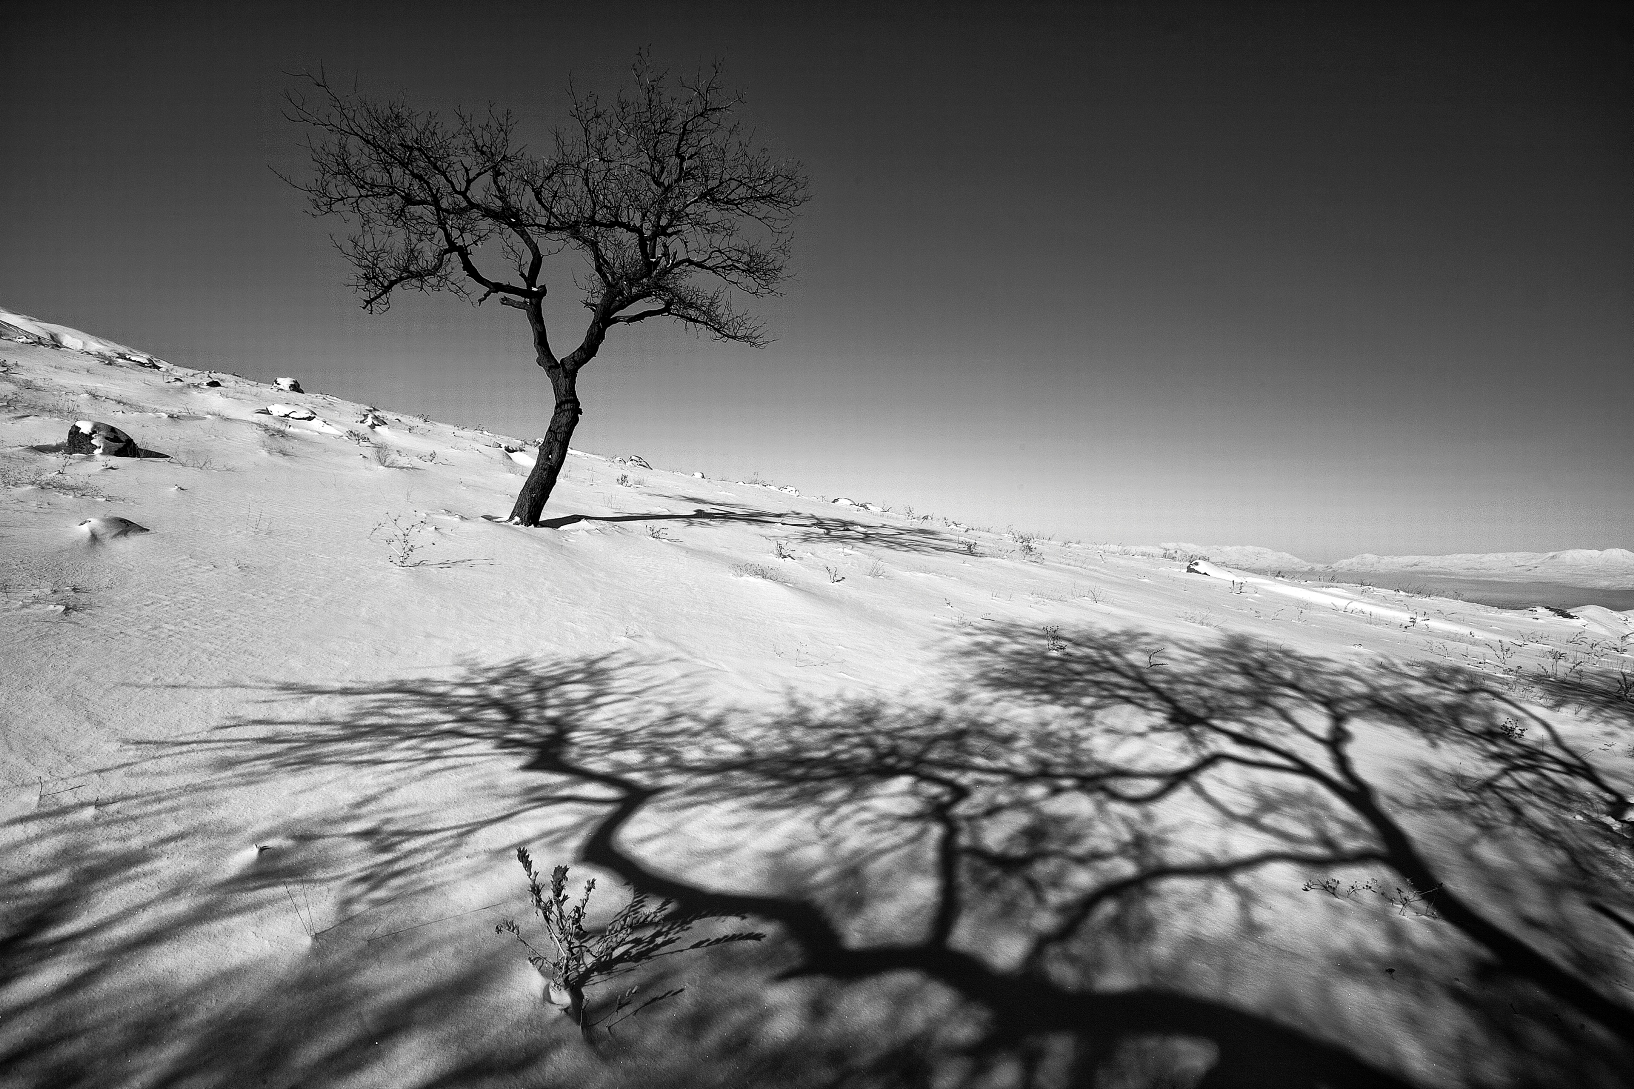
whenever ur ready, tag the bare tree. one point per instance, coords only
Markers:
(661, 192)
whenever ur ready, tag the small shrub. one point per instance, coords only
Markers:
(833, 573)
(192, 459)
(581, 958)
(403, 539)
(758, 571)
(781, 549)
(876, 570)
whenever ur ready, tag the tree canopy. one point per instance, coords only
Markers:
(668, 203)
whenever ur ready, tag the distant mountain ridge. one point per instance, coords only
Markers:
(1590, 566)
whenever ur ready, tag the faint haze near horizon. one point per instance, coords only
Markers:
(1329, 279)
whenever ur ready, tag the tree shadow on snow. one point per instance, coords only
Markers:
(1107, 861)
(796, 526)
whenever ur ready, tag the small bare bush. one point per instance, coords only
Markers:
(579, 956)
(404, 539)
(758, 571)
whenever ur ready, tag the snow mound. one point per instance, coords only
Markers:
(21, 326)
(1605, 621)
(110, 529)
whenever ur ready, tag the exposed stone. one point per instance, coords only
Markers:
(289, 385)
(638, 461)
(86, 437)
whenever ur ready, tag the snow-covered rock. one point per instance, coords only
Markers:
(109, 529)
(292, 412)
(87, 437)
(288, 385)
(638, 461)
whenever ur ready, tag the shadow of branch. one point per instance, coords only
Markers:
(1106, 862)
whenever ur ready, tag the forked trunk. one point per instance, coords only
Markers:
(552, 452)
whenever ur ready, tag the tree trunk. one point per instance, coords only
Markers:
(552, 451)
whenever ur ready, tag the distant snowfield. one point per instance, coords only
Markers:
(1586, 567)
(280, 705)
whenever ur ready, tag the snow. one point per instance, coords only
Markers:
(290, 585)
(1577, 566)
(1581, 565)
(71, 339)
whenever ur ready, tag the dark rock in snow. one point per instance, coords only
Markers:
(638, 461)
(86, 437)
(211, 382)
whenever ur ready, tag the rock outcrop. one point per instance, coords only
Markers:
(88, 437)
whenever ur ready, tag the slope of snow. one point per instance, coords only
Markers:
(209, 897)
(20, 325)
(1247, 556)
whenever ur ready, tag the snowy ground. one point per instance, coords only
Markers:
(265, 767)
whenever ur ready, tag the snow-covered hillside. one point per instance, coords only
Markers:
(1584, 566)
(1592, 567)
(281, 703)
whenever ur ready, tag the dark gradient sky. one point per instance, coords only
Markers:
(1325, 277)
